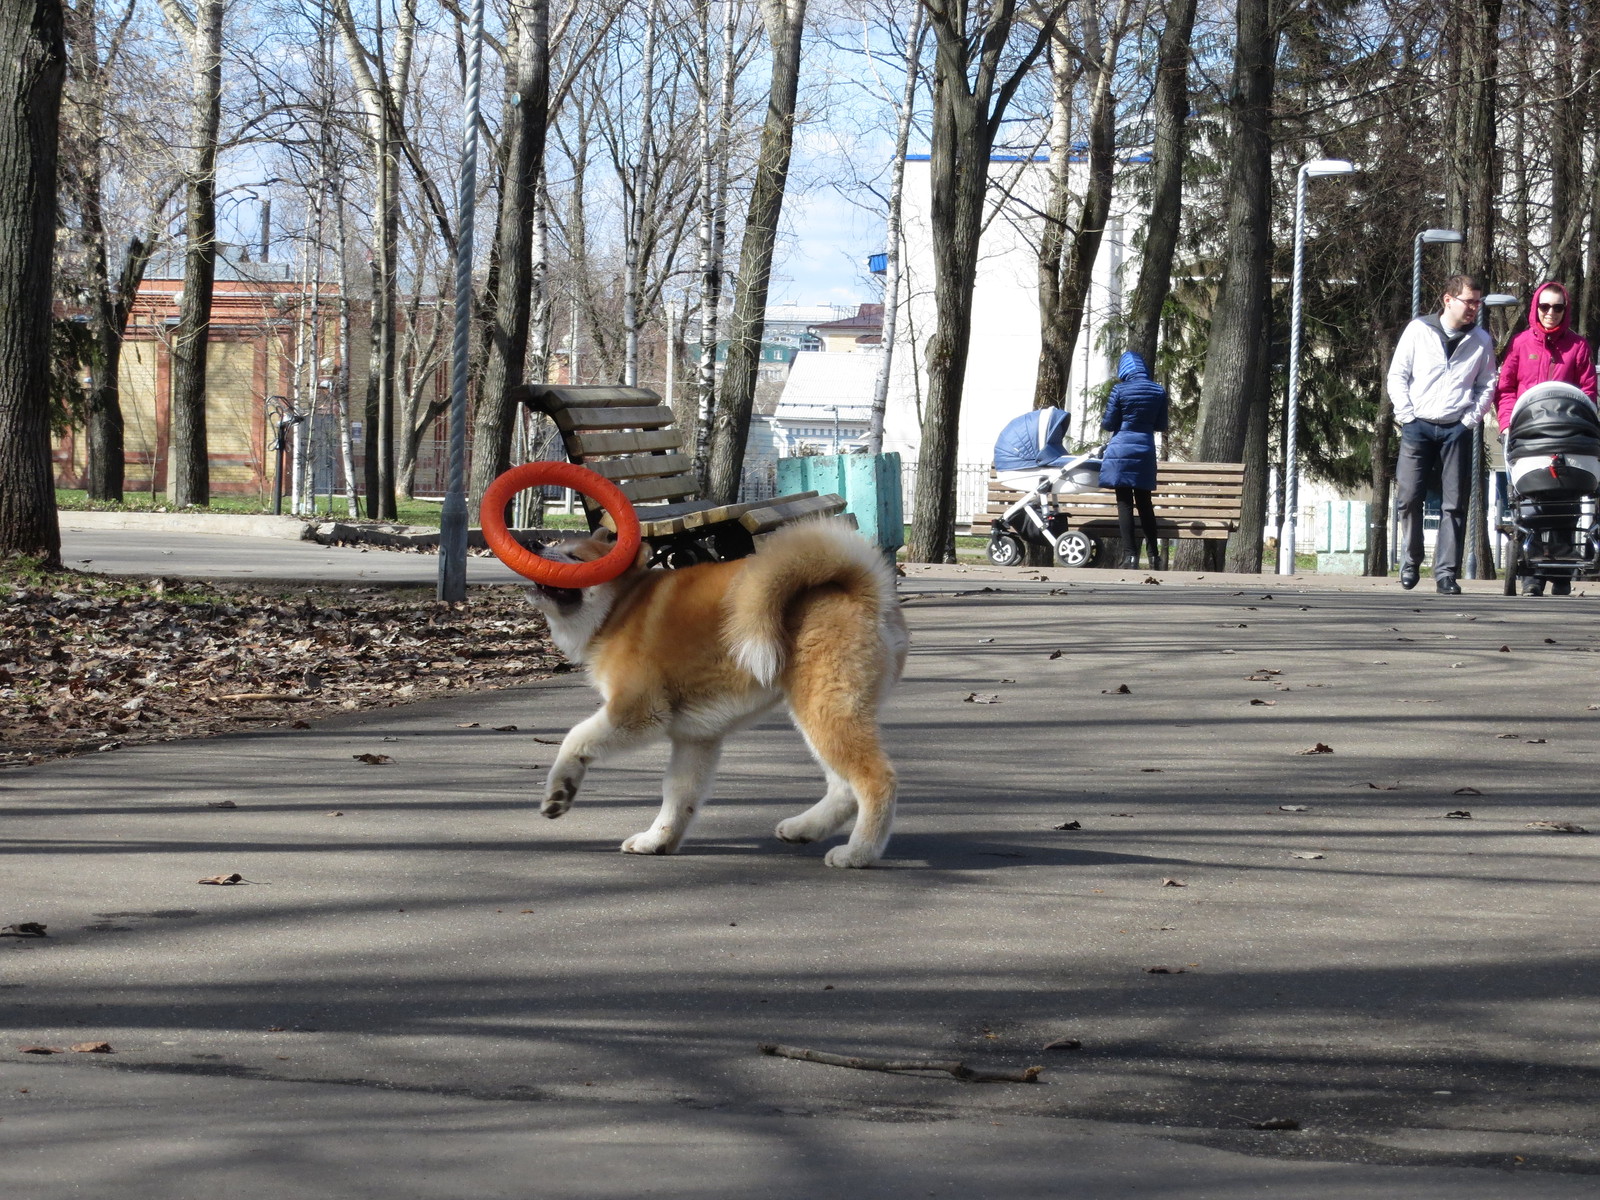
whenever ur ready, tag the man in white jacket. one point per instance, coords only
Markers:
(1442, 373)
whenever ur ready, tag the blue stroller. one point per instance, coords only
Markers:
(1031, 456)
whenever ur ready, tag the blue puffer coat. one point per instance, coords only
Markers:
(1136, 412)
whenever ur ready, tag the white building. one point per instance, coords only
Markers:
(1003, 359)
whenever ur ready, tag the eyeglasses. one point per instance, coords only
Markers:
(1552, 308)
(1468, 301)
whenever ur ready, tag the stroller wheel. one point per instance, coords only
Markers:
(1005, 549)
(1075, 549)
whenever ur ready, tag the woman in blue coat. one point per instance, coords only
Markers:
(1135, 413)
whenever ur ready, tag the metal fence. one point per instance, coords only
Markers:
(972, 489)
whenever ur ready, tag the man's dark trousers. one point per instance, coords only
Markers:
(1427, 447)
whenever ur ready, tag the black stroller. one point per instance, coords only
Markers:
(1552, 455)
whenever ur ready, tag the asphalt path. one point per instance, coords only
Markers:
(424, 989)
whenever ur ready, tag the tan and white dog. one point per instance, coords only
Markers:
(811, 619)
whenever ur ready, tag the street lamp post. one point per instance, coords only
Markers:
(1291, 476)
(453, 514)
(1475, 494)
(1433, 237)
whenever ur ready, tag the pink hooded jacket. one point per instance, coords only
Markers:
(1537, 356)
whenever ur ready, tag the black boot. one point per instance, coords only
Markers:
(1130, 562)
(1155, 555)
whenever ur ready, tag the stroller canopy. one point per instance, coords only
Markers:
(1553, 418)
(1035, 439)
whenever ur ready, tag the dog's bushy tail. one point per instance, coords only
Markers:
(790, 562)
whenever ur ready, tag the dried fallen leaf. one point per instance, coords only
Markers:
(1165, 971)
(505, 728)
(1384, 787)
(1064, 1044)
(985, 641)
(1505, 649)
(1069, 825)
(1294, 808)
(1055, 654)
(91, 1047)
(1466, 791)
(372, 759)
(221, 804)
(28, 929)
(1306, 854)
(1150, 770)
(1507, 736)
(1319, 748)
(1263, 703)
(1556, 827)
(981, 698)
(468, 725)
(1459, 814)
(1533, 741)
(40, 1050)
(1121, 689)
(1277, 1123)
(1170, 882)
(222, 880)
(336, 813)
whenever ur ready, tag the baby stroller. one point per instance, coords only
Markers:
(1552, 475)
(1030, 455)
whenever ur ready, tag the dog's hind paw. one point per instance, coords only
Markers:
(850, 856)
(556, 803)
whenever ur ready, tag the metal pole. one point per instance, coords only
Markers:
(1291, 473)
(453, 517)
(1416, 278)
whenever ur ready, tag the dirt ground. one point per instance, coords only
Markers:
(90, 663)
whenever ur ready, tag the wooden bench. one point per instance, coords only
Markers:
(626, 435)
(1191, 500)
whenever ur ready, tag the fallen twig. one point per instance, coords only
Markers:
(959, 1070)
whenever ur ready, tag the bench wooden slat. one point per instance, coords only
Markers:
(581, 447)
(551, 398)
(643, 466)
(1191, 500)
(647, 491)
(582, 420)
(771, 515)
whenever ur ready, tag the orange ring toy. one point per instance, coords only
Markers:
(543, 570)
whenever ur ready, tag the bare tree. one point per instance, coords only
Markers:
(188, 461)
(971, 93)
(1234, 394)
(32, 66)
(523, 138)
(1167, 157)
(785, 22)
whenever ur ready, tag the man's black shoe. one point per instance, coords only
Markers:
(1408, 577)
(1448, 586)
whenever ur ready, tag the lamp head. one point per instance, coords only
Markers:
(1327, 166)
(1500, 300)
(1441, 236)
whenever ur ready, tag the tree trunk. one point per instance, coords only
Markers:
(637, 195)
(1070, 294)
(32, 66)
(1236, 370)
(1166, 182)
(785, 24)
(969, 102)
(188, 464)
(1483, 154)
(1383, 462)
(519, 190)
(891, 271)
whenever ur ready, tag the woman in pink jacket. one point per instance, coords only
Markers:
(1546, 351)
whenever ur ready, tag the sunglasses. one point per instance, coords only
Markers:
(1552, 308)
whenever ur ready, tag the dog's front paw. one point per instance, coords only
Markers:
(651, 841)
(850, 856)
(559, 799)
(796, 830)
